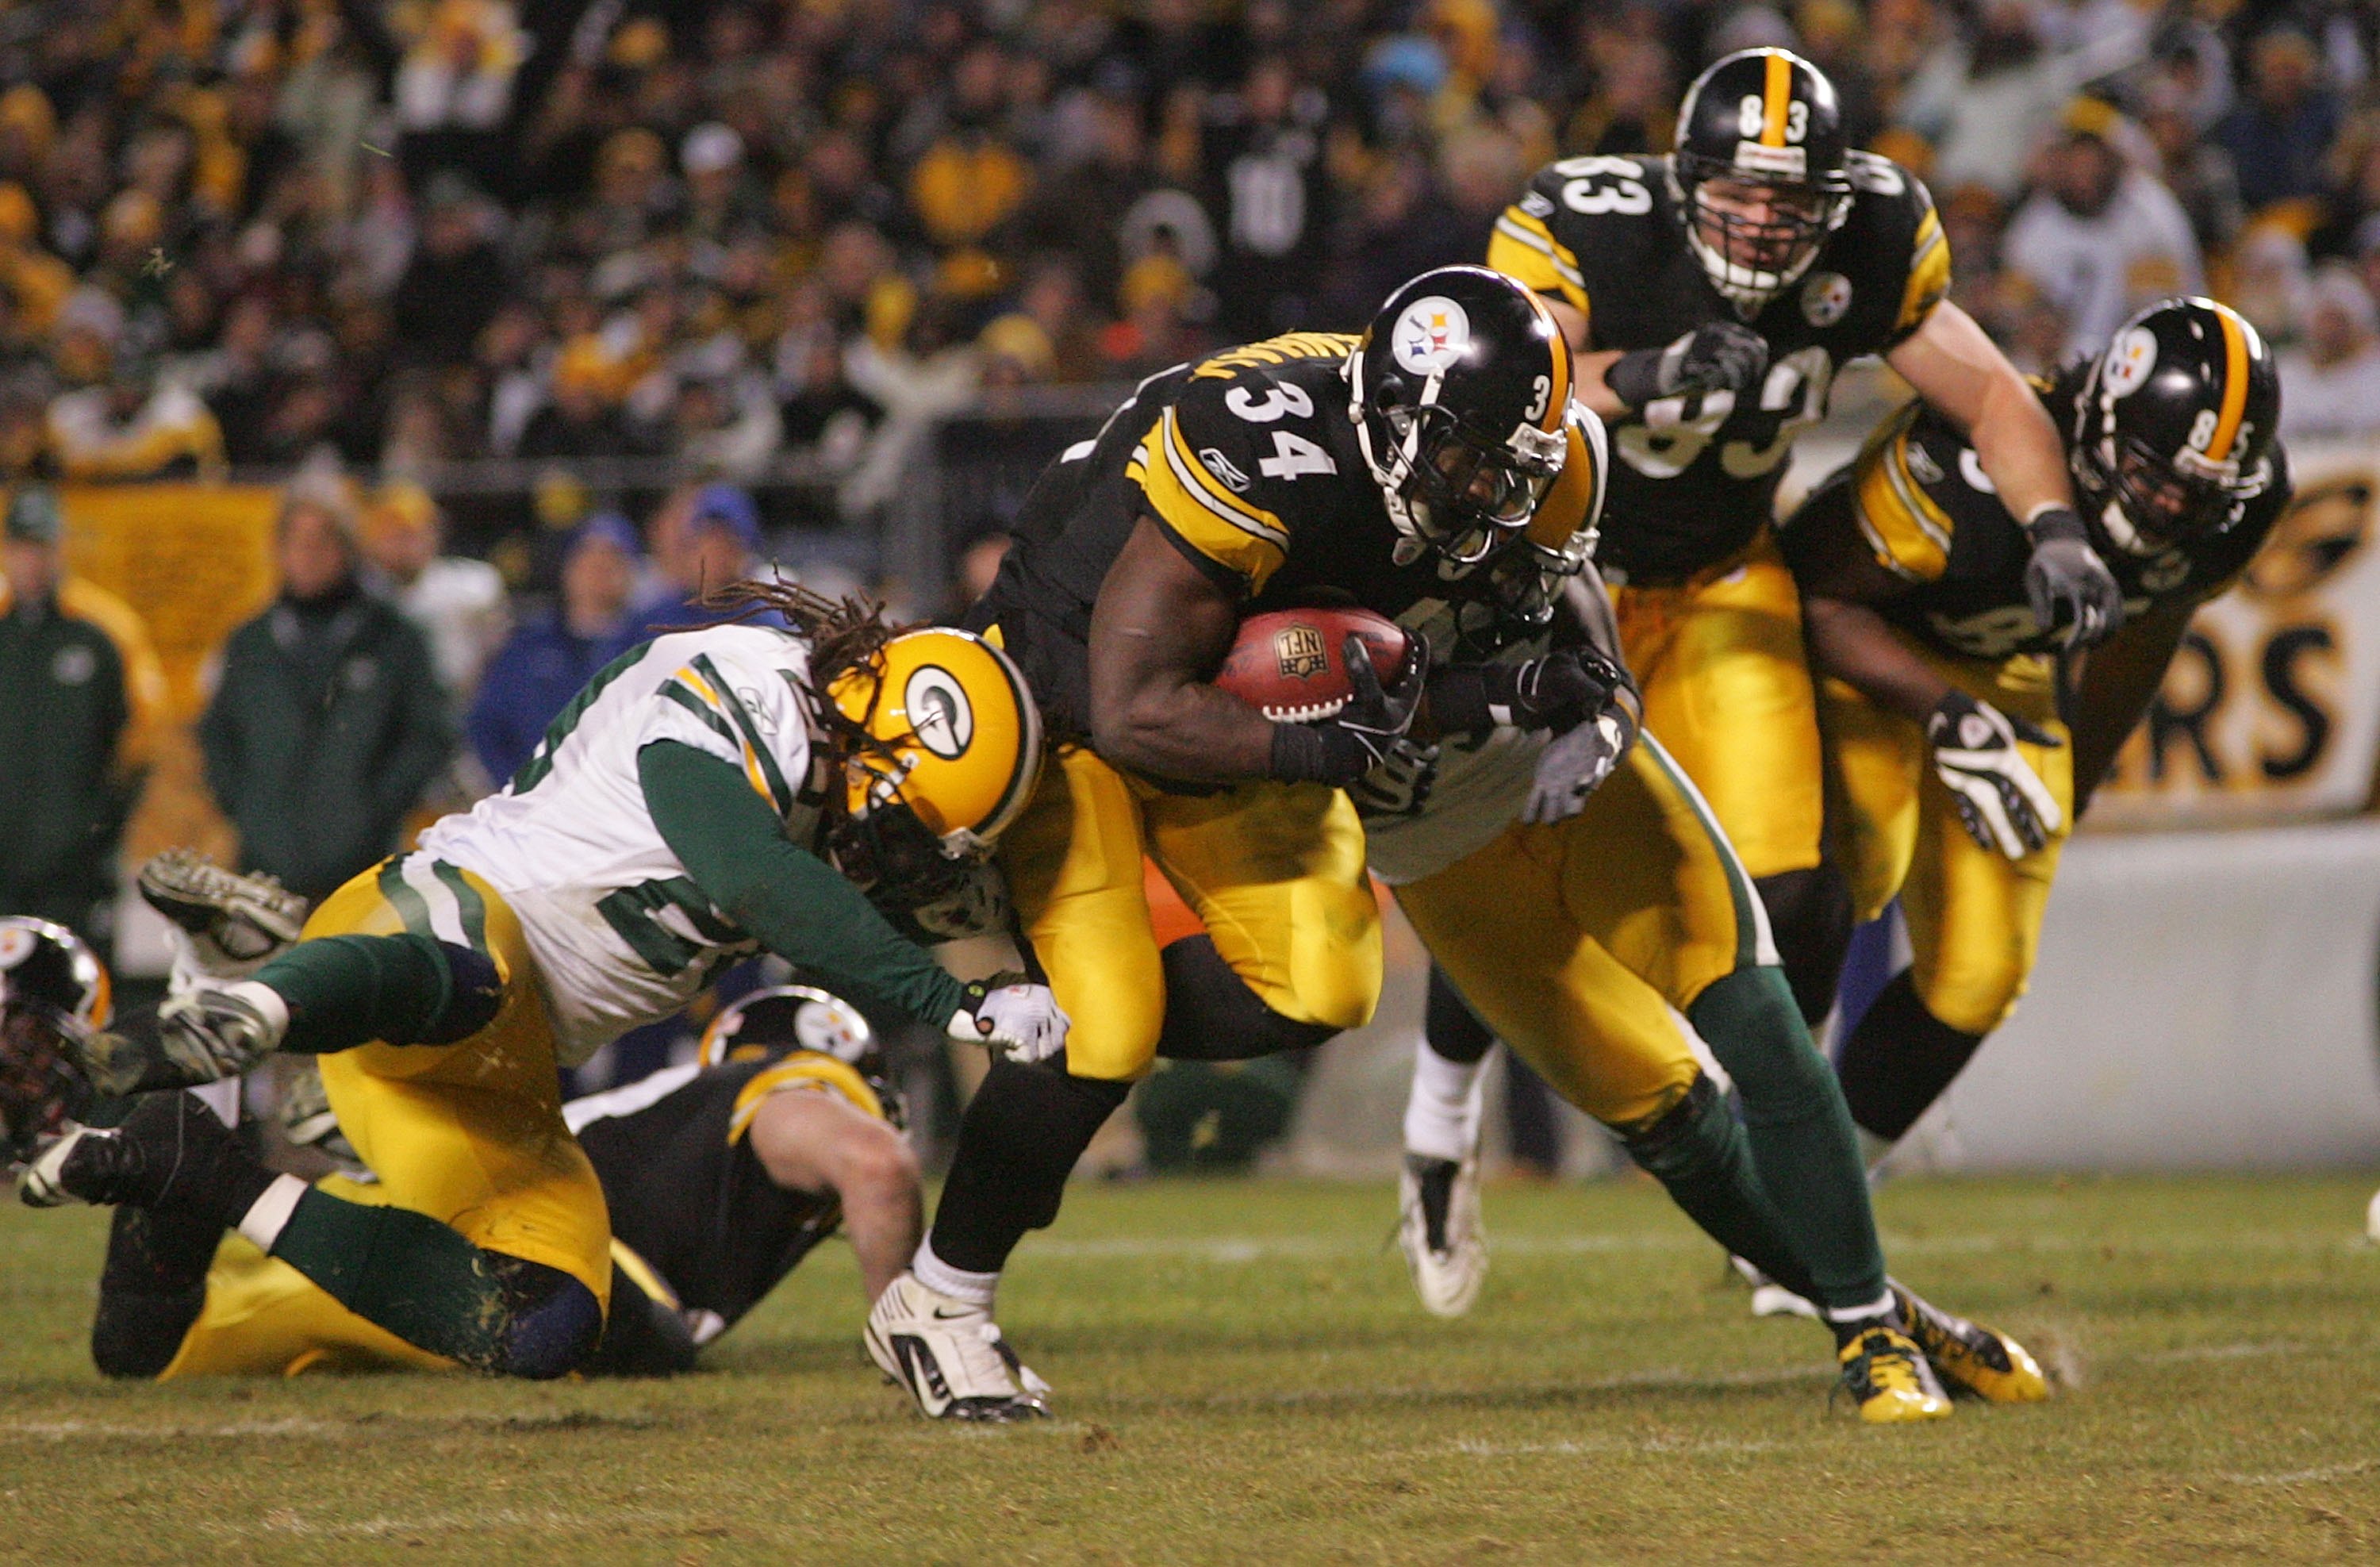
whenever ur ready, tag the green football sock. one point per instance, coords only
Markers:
(1700, 1154)
(349, 991)
(402, 1270)
(1803, 1146)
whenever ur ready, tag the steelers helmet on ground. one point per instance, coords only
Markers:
(2173, 426)
(1761, 172)
(813, 1029)
(52, 987)
(1460, 385)
(947, 751)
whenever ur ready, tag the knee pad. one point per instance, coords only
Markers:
(1210, 1014)
(1810, 915)
(475, 992)
(552, 1321)
(1756, 1033)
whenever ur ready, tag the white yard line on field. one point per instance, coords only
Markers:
(1242, 1250)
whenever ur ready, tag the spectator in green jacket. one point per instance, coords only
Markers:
(79, 690)
(327, 721)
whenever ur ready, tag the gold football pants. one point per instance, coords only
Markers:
(1276, 871)
(1973, 914)
(1574, 941)
(1727, 688)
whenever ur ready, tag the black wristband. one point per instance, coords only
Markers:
(1635, 378)
(1460, 701)
(2056, 522)
(1304, 754)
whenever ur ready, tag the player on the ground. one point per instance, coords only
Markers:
(1956, 768)
(1712, 297)
(720, 1176)
(710, 793)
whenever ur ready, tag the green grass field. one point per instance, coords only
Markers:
(1243, 1375)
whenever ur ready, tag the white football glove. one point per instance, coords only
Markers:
(1023, 1022)
(1574, 767)
(2002, 801)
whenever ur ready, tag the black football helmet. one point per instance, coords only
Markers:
(52, 988)
(1761, 173)
(797, 1022)
(1460, 385)
(2172, 428)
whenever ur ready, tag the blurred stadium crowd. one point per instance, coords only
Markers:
(235, 233)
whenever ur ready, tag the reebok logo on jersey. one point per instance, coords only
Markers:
(1224, 469)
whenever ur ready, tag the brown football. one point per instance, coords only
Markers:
(1287, 663)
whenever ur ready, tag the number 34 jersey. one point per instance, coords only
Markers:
(621, 934)
(1248, 462)
(1695, 477)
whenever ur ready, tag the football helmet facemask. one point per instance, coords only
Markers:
(1760, 172)
(52, 988)
(2172, 428)
(815, 1029)
(945, 750)
(1459, 384)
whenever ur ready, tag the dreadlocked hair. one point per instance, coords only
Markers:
(847, 636)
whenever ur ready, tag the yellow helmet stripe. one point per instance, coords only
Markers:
(1776, 93)
(812, 1070)
(2235, 388)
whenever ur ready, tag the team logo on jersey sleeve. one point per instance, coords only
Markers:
(1825, 298)
(1431, 335)
(2129, 359)
(939, 712)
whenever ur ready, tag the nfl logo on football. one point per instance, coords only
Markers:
(1299, 648)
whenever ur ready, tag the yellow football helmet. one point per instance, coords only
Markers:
(952, 752)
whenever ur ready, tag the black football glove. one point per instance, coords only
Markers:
(1557, 691)
(1340, 749)
(1719, 355)
(2067, 582)
(2002, 801)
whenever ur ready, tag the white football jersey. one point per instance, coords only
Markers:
(1478, 793)
(621, 934)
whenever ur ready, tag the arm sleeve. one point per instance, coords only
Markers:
(734, 849)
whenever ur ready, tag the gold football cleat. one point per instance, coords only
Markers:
(1973, 1359)
(1886, 1376)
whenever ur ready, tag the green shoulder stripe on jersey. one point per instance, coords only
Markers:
(779, 793)
(541, 762)
(466, 898)
(402, 897)
(678, 691)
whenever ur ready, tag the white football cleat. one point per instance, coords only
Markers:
(951, 1357)
(1770, 1298)
(1439, 1226)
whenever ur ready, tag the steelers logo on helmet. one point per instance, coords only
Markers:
(17, 944)
(2129, 358)
(788, 1018)
(940, 711)
(1431, 335)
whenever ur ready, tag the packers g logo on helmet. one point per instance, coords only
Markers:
(955, 753)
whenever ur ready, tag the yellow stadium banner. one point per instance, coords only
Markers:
(195, 561)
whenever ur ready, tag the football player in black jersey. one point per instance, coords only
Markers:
(1955, 771)
(1713, 296)
(721, 1177)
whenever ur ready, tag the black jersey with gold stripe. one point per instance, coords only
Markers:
(1248, 461)
(1694, 477)
(686, 1192)
(1925, 510)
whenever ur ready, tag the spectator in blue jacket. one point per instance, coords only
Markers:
(536, 673)
(717, 540)
(2280, 136)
